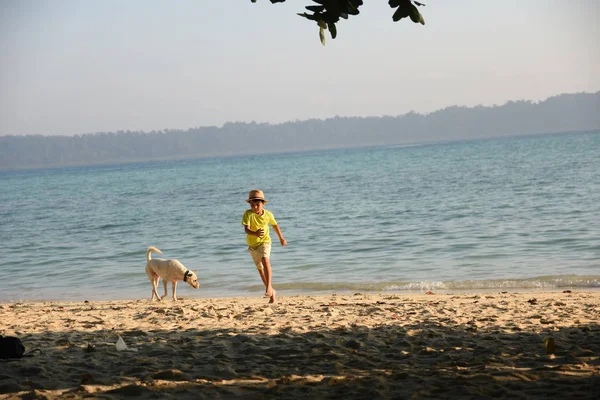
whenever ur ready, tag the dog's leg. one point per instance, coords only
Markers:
(165, 287)
(174, 291)
(153, 278)
(154, 288)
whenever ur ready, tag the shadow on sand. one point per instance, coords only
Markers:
(411, 361)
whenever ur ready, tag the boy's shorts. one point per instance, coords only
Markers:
(258, 252)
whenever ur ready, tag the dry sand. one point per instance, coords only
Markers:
(337, 346)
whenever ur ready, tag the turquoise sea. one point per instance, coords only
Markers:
(510, 214)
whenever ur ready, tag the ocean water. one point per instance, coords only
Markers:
(508, 214)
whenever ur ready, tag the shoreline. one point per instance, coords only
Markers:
(189, 295)
(369, 345)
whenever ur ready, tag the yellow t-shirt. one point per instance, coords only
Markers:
(255, 222)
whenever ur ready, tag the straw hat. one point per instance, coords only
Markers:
(256, 195)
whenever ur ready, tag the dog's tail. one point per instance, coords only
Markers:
(150, 250)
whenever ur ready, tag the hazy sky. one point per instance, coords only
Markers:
(73, 66)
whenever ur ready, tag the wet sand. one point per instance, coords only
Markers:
(364, 346)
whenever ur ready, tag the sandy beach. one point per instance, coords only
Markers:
(361, 346)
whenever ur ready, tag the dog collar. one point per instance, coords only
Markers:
(185, 276)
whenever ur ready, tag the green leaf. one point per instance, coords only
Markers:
(332, 29)
(352, 9)
(414, 14)
(312, 17)
(316, 9)
(401, 12)
(322, 35)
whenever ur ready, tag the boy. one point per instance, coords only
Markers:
(256, 224)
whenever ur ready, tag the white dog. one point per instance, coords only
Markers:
(170, 271)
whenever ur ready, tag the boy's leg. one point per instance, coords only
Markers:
(263, 276)
(257, 258)
(262, 261)
(266, 262)
(267, 273)
(261, 272)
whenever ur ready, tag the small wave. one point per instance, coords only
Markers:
(541, 282)
(305, 267)
(112, 226)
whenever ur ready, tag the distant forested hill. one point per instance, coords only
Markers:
(563, 113)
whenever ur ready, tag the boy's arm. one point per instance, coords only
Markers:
(258, 233)
(278, 231)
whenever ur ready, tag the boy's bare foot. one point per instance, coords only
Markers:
(269, 293)
(272, 299)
